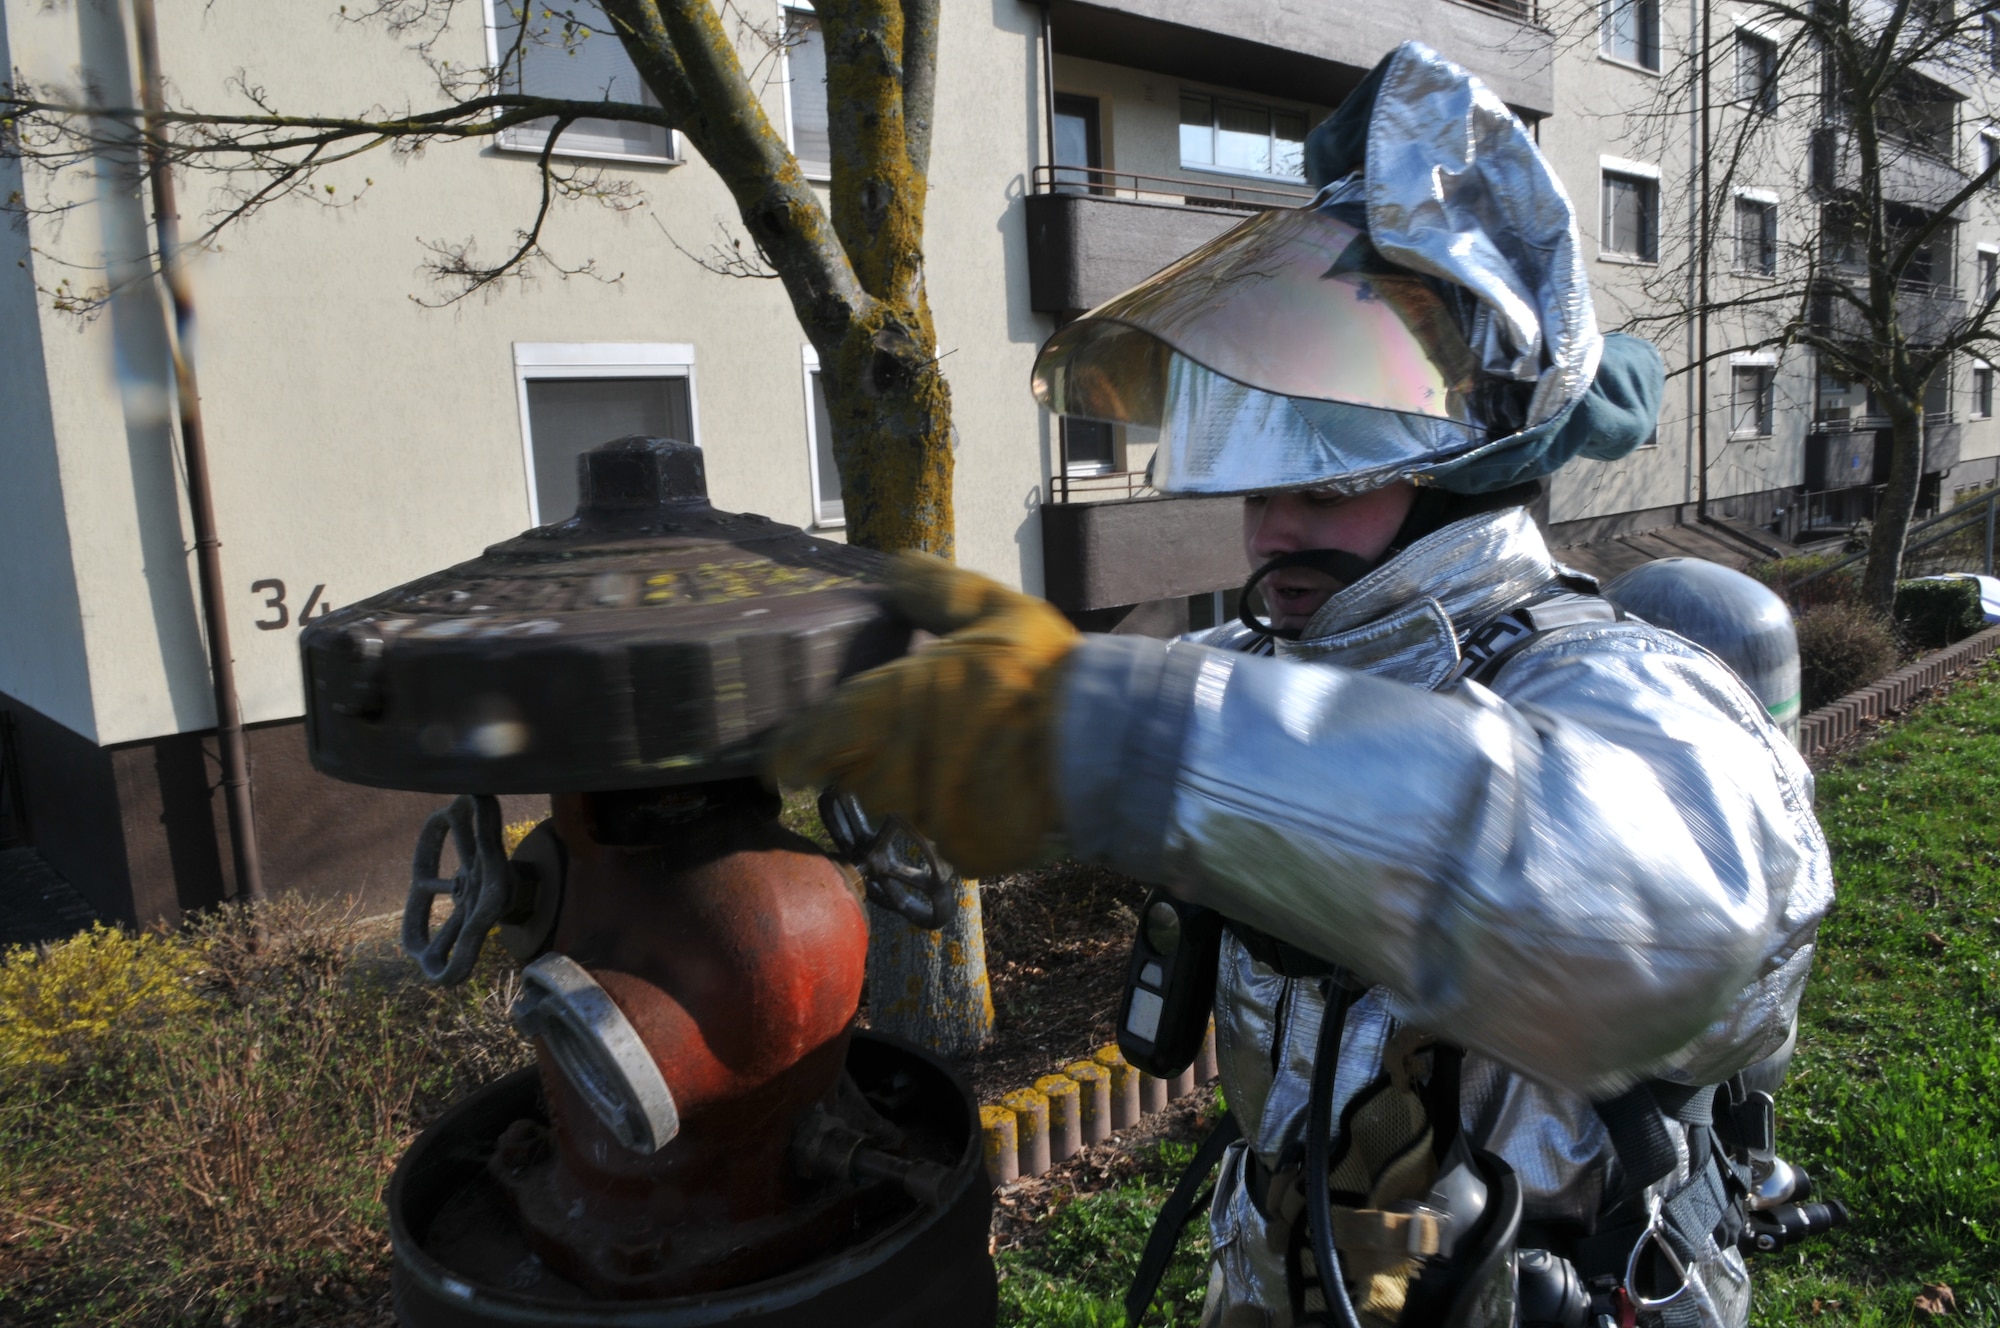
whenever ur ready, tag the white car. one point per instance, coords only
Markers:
(1989, 591)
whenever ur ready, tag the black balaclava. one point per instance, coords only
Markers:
(1432, 511)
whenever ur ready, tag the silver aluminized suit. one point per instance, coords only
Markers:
(1603, 869)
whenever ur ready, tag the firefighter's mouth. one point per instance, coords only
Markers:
(1297, 599)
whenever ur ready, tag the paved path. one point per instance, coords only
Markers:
(36, 904)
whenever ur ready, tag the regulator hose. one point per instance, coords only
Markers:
(1319, 1153)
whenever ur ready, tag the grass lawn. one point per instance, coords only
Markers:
(1893, 1103)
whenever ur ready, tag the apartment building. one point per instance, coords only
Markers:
(1767, 436)
(360, 438)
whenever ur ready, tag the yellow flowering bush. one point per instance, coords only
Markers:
(512, 834)
(56, 1000)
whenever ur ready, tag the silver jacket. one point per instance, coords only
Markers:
(1604, 868)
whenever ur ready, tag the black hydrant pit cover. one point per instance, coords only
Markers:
(648, 640)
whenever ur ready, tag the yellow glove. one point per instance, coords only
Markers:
(955, 737)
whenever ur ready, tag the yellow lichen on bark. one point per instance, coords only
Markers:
(931, 986)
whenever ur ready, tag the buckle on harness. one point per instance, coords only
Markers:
(1655, 1234)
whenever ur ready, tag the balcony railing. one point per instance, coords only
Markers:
(1959, 539)
(1521, 11)
(1096, 487)
(1871, 423)
(1178, 191)
(1820, 513)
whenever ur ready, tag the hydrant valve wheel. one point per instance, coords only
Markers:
(900, 868)
(479, 889)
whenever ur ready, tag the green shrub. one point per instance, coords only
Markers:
(1932, 614)
(1841, 647)
(1784, 575)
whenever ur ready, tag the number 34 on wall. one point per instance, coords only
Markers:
(316, 605)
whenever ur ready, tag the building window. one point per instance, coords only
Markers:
(1937, 395)
(1213, 608)
(1989, 155)
(1921, 113)
(828, 508)
(805, 93)
(1237, 136)
(1089, 447)
(1079, 144)
(1629, 31)
(1982, 390)
(575, 396)
(1756, 237)
(1843, 403)
(573, 55)
(1993, 44)
(1757, 73)
(1989, 273)
(1631, 217)
(1751, 400)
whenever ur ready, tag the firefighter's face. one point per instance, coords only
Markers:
(1361, 524)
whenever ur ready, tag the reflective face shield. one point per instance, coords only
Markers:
(1286, 353)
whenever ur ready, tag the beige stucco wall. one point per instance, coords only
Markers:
(359, 438)
(41, 619)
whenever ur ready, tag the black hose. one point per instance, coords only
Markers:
(1319, 1149)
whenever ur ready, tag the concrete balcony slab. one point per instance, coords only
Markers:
(1310, 50)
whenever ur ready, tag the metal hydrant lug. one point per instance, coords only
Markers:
(705, 1133)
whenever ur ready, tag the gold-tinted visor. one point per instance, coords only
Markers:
(1293, 302)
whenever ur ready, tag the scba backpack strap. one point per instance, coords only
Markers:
(1489, 648)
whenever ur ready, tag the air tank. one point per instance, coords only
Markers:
(1736, 617)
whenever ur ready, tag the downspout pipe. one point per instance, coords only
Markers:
(194, 447)
(1061, 477)
(1048, 85)
(1706, 243)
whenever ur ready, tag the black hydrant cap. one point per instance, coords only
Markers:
(632, 476)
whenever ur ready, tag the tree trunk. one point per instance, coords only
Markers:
(891, 417)
(931, 986)
(854, 272)
(1893, 515)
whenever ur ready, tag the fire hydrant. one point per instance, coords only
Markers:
(705, 1136)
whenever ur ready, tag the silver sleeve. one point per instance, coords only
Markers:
(1607, 870)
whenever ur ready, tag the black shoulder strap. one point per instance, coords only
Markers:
(1174, 1215)
(1489, 648)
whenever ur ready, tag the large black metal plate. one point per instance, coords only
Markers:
(639, 643)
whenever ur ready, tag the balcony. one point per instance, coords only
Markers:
(1312, 52)
(1911, 175)
(1104, 555)
(1846, 453)
(1927, 314)
(1093, 233)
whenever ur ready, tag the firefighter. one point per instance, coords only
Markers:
(1515, 887)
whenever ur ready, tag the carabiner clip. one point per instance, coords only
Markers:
(1655, 1234)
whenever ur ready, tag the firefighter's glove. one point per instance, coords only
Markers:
(957, 737)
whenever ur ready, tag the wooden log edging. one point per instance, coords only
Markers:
(1833, 724)
(1031, 1130)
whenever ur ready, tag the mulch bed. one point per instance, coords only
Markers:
(1057, 941)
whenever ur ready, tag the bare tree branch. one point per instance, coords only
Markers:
(724, 257)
